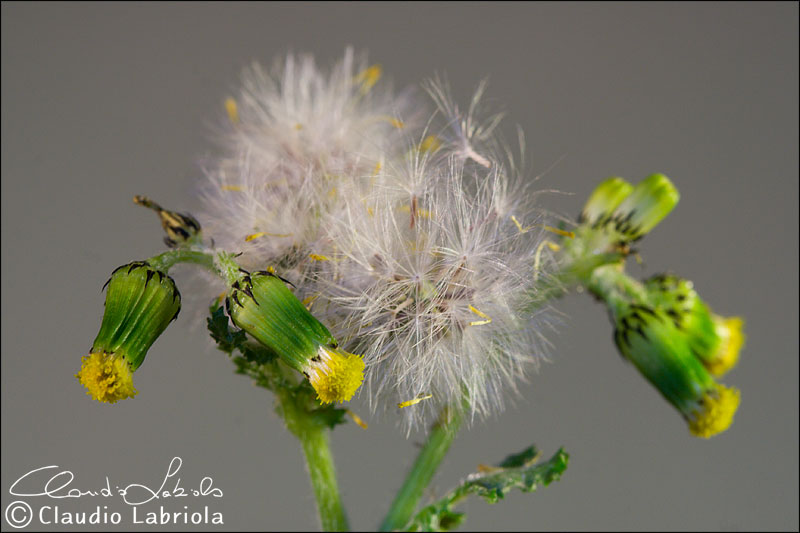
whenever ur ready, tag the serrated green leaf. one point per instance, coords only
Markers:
(329, 415)
(227, 339)
(525, 457)
(256, 353)
(518, 471)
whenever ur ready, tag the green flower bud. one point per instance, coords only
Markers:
(650, 201)
(604, 200)
(140, 304)
(617, 214)
(262, 305)
(714, 340)
(649, 338)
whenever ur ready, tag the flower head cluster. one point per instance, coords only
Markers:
(661, 325)
(413, 240)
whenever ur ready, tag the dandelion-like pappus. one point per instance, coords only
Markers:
(413, 240)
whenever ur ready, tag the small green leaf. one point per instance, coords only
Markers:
(526, 456)
(303, 396)
(328, 415)
(227, 340)
(449, 520)
(256, 353)
(492, 484)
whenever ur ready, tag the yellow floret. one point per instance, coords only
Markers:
(731, 337)
(718, 408)
(232, 110)
(107, 377)
(369, 77)
(431, 143)
(336, 375)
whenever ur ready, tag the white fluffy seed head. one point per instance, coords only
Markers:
(416, 241)
(436, 301)
(298, 133)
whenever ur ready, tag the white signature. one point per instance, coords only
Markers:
(58, 486)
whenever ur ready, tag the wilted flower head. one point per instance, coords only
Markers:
(414, 241)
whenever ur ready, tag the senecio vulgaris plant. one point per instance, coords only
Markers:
(368, 246)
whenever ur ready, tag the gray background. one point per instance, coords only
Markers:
(101, 102)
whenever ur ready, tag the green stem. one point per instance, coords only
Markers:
(313, 437)
(611, 284)
(220, 263)
(323, 479)
(165, 261)
(405, 503)
(572, 271)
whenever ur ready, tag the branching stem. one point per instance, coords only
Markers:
(220, 263)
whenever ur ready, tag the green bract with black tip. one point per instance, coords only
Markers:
(684, 306)
(604, 199)
(140, 304)
(713, 339)
(650, 201)
(649, 339)
(261, 304)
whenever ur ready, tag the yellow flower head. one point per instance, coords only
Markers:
(716, 412)
(107, 377)
(335, 374)
(731, 341)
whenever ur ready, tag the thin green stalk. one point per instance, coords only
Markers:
(220, 263)
(323, 479)
(313, 437)
(430, 456)
(165, 261)
(611, 283)
(571, 272)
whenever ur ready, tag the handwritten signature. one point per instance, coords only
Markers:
(59, 484)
